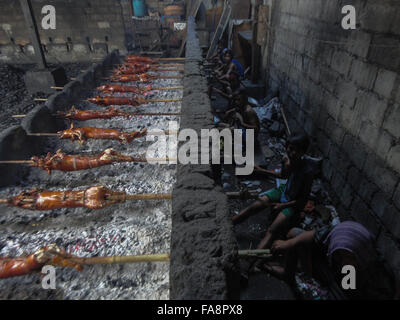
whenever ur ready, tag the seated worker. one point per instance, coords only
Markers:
(218, 56)
(246, 117)
(230, 65)
(231, 86)
(288, 199)
(347, 243)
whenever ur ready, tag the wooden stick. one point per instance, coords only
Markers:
(43, 134)
(132, 114)
(238, 195)
(150, 133)
(144, 196)
(167, 88)
(122, 259)
(40, 99)
(285, 120)
(170, 59)
(134, 160)
(57, 88)
(161, 100)
(261, 253)
(3, 200)
(16, 162)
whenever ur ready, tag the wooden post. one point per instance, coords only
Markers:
(33, 32)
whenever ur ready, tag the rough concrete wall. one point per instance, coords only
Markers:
(15, 144)
(84, 30)
(203, 246)
(342, 86)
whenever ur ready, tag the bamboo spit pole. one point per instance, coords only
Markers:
(150, 133)
(260, 253)
(154, 89)
(131, 114)
(122, 259)
(285, 120)
(135, 160)
(146, 100)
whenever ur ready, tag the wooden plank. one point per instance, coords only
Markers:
(262, 31)
(220, 29)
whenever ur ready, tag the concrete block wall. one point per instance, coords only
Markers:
(343, 88)
(203, 245)
(15, 144)
(85, 29)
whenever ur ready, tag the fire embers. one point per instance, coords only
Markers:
(84, 133)
(61, 161)
(97, 197)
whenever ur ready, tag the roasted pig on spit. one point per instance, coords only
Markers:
(97, 197)
(83, 133)
(143, 77)
(118, 101)
(126, 101)
(83, 115)
(49, 255)
(61, 161)
(111, 88)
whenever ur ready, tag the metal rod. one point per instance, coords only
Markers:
(168, 88)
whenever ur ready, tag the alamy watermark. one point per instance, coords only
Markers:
(196, 149)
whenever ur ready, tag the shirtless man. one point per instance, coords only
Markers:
(245, 115)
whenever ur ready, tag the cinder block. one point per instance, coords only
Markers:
(367, 190)
(390, 252)
(385, 51)
(396, 197)
(377, 17)
(379, 204)
(363, 74)
(393, 158)
(392, 121)
(354, 177)
(370, 107)
(346, 197)
(384, 83)
(376, 170)
(341, 62)
(363, 215)
(355, 151)
(347, 92)
(391, 220)
(358, 43)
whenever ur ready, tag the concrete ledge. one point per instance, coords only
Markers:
(203, 246)
(14, 144)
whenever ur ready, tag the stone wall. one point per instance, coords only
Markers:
(342, 87)
(84, 30)
(203, 246)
